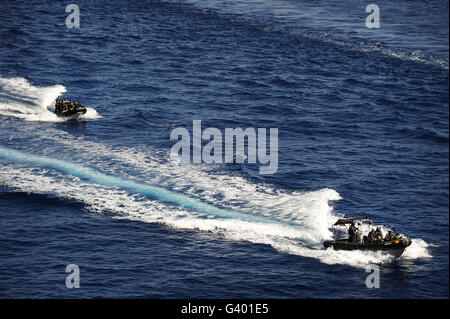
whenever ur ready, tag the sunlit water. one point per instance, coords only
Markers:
(362, 118)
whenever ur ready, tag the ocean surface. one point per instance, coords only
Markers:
(363, 130)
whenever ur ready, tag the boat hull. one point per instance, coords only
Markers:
(72, 114)
(394, 248)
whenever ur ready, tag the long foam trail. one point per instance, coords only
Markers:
(101, 199)
(291, 222)
(310, 210)
(19, 98)
(159, 193)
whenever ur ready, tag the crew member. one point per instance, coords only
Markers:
(352, 232)
(389, 236)
(379, 234)
(371, 236)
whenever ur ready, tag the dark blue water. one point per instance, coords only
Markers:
(362, 118)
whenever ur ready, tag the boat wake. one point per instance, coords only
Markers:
(186, 197)
(19, 98)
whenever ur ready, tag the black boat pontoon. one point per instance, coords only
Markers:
(361, 240)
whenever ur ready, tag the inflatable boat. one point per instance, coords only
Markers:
(361, 239)
(69, 109)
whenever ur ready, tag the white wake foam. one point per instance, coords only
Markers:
(418, 249)
(304, 217)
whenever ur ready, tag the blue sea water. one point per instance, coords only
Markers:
(363, 128)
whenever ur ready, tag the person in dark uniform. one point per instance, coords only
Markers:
(379, 235)
(352, 232)
(371, 237)
(64, 105)
(389, 236)
(58, 104)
